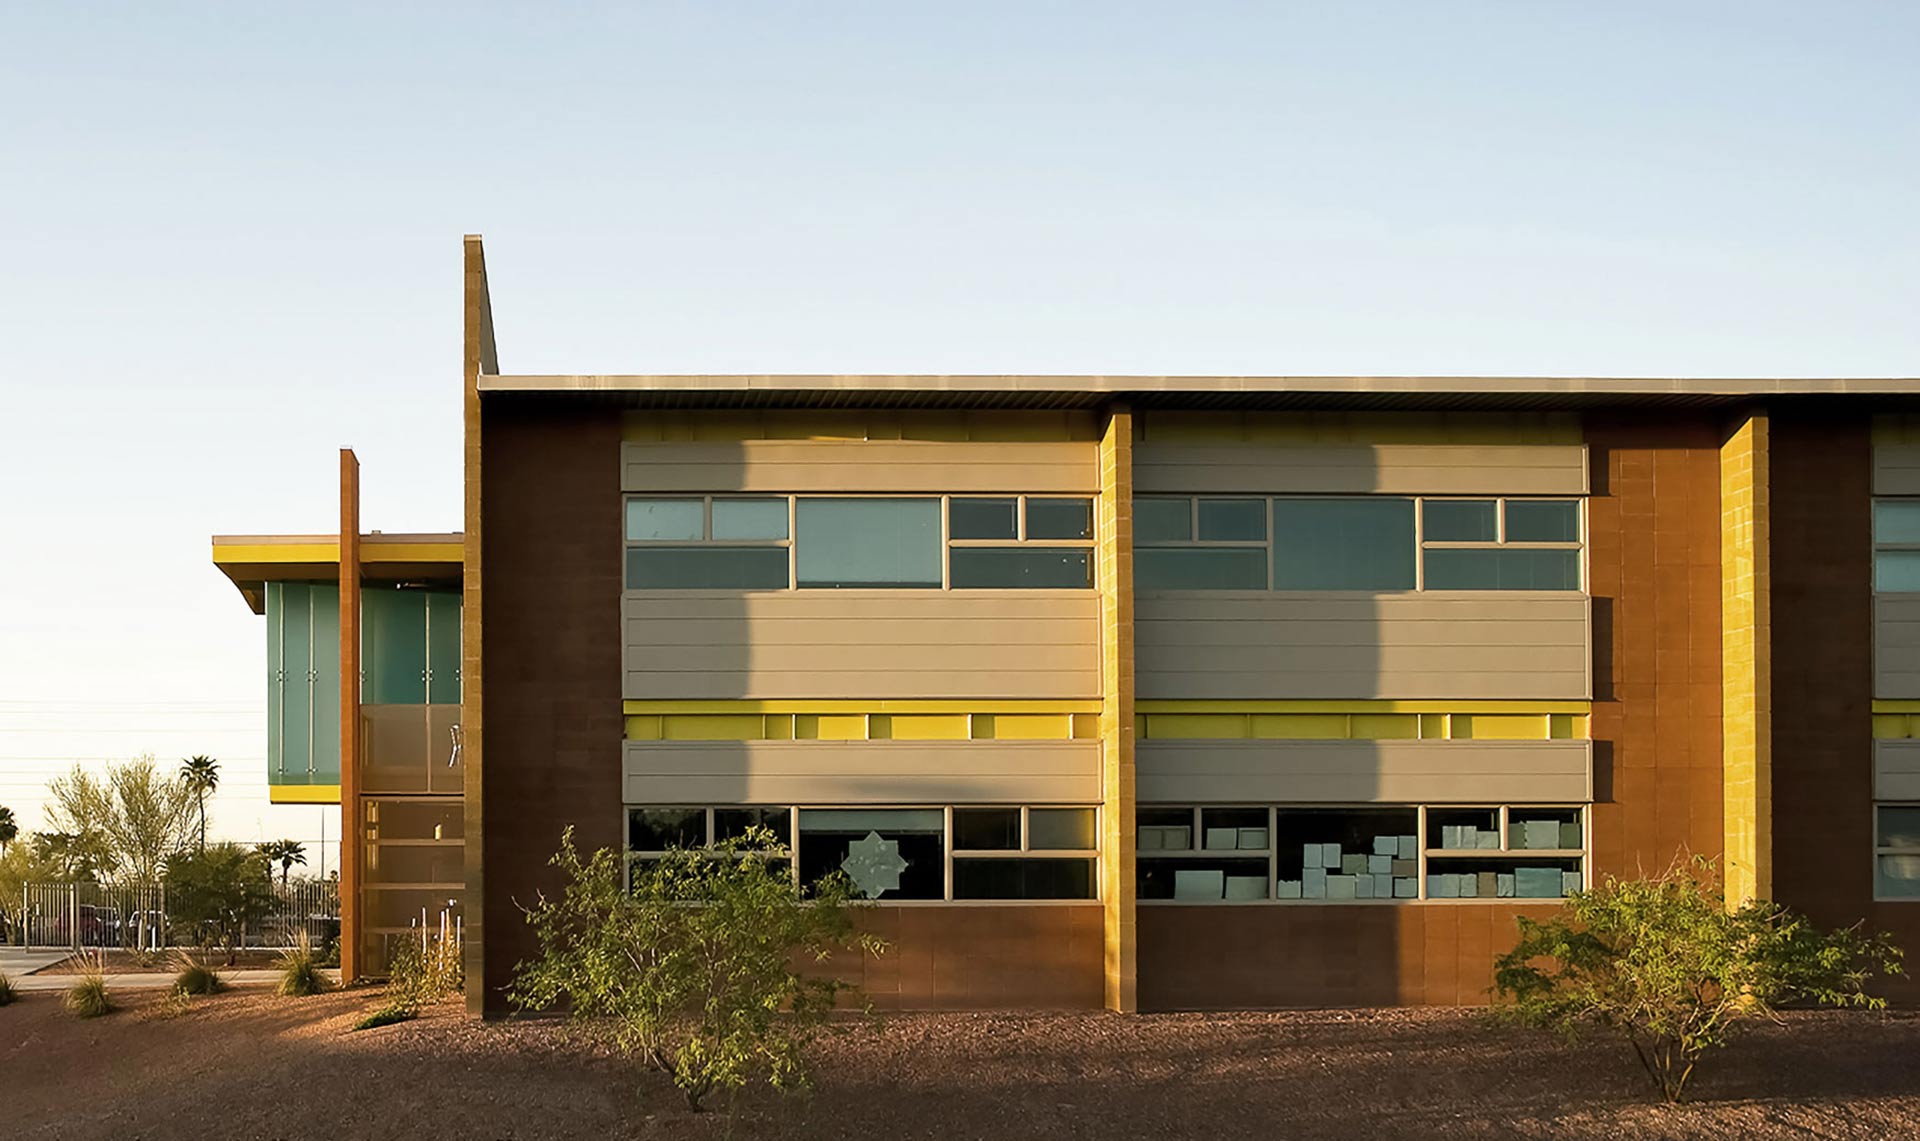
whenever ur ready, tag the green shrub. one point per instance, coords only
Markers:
(219, 891)
(387, 1016)
(1664, 963)
(195, 977)
(691, 969)
(88, 997)
(300, 971)
(8, 996)
(173, 1004)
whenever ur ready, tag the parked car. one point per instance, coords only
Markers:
(99, 927)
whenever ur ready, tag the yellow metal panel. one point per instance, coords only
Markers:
(779, 726)
(303, 794)
(1299, 726)
(829, 727)
(1384, 726)
(1891, 726)
(1880, 706)
(712, 727)
(927, 727)
(1371, 706)
(1195, 726)
(1501, 727)
(980, 726)
(643, 728)
(850, 705)
(1086, 726)
(1033, 726)
(1433, 726)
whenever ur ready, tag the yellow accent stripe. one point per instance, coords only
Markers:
(374, 551)
(371, 551)
(634, 708)
(861, 726)
(1580, 707)
(303, 794)
(1880, 706)
(1361, 726)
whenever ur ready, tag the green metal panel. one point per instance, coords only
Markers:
(296, 664)
(325, 735)
(303, 683)
(276, 683)
(443, 648)
(393, 647)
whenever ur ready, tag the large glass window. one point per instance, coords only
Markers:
(1357, 542)
(1348, 543)
(911, 542)
(1896, 546)
(888, 853)
(1376, 853)
(1896, 851)
(1024, 853)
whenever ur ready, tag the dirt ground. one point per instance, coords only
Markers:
(250, 1065)
(126, 962)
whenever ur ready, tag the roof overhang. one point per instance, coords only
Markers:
(252, 561)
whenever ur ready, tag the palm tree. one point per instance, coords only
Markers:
(202, 774)
(286, 853)
(9, 828)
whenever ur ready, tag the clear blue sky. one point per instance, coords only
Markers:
(229, 243)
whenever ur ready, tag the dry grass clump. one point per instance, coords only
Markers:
(8, 996)
(300, 971)
(195, 977)
(88, 997)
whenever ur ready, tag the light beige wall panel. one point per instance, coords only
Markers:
(929, 466)
(861, 644)
(1896, 469)
(861, 772)
(1445, 772)
(1896, 770)
(1463, 645)
(1896, 646)
(1402, 469)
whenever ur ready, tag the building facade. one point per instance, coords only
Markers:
(1134, 692)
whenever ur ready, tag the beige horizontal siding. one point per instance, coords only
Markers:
(880, 644)
(1340, 645)
(1896, 770)
(861, 772)
(1401, 469)
(1896, 646)
(1896, 468)
(1444, 772)
(930, 466)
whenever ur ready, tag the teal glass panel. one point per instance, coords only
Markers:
(1896, 572)
(867, 542)
(1543, 521)
(706, 568)
(1896, 520)
(1343, 544)
(1460, 521)
(983, 518)
(1900, 826)
(1897, 877)
(1059, 518)
(743, 519)
(324, 737)
(443, 648)
(296, 665)
(276, 681)
(393, 647)
(1162, 521)
(666, 519)
(1200, 568)
(1502, 568)
(1233, 520)
(1041, 568)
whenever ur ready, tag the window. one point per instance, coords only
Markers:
(984, 853)
(707, 543)
(1896, 546)
(1896, 860)
(858, 542)
(1358, 542)
(1500, 544)
(1020, 541)
(1200, 544)
(1378, 853)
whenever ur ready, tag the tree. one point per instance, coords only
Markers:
(68, 855)
(220, 889)
(692, 970)
(286, 853)
(1664, 963)
(21, 865)
(135, 818)
(9, 828)
(202, 775)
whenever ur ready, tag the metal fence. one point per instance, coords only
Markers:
(130, 917)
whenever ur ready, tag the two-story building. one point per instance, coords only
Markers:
(1143, 692)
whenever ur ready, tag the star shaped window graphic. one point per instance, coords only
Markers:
(874, 865)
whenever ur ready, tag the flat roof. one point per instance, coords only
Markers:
(252, 561)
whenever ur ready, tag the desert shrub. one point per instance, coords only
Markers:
(387, 1016)
(300, 972)
(219, 891)
(195, 977)
(173, 1004)
(421, 970)
(691, 968)
(8, 995)
(1664, 963)
(88, 997)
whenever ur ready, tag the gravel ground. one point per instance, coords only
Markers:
(249, 1065)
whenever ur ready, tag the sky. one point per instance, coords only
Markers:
(230, 245)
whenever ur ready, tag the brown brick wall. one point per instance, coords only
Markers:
(1823, 674)
(551, 502)
(982, 958)
(1654, 574)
